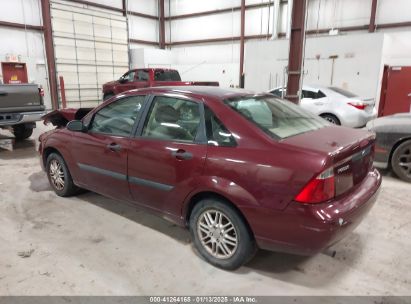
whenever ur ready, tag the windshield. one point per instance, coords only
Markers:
(167, 75)
(278, 118)
(342, 92)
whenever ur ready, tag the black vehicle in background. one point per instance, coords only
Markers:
(393, 144)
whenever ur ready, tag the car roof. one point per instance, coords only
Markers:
(153, 69)
(198, 91)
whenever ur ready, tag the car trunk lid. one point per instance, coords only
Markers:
(349, 151)
(365, 104)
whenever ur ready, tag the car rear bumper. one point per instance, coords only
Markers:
(11, 119)
(307, 229)
(358, 118)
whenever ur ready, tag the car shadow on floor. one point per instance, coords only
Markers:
(22, 149)
(309, 271)
(138, 215)
(286, 267)
(314, 271)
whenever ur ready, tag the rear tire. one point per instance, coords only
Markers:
(220, 234)
(22, 132)
(59, 176)
(108, 96)
(331, 118)
(401, 161)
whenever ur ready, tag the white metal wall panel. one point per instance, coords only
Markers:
(90, 48)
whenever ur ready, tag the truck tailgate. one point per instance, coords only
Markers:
(20, 98)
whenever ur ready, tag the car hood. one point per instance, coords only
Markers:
(60, 118)
(394, 123)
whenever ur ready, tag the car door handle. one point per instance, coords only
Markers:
(319, 103)
(114, 147)
(182, 154)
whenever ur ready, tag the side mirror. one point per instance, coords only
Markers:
(76, 126)
(122, 80)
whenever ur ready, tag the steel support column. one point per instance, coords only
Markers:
(124, 6)
(48, 41)
(241, 78)
(296, 51)
(162, 27)
(371, 26)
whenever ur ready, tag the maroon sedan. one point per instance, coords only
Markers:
(242, 171)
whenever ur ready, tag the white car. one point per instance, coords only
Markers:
(336, 105)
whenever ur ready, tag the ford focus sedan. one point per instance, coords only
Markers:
(241, 170)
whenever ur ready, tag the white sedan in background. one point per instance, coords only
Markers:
(336, 105)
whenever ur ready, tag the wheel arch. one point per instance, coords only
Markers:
(46, 153)
(395, 146)
(196, 198)
(332, 114)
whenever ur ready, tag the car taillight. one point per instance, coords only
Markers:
(358, 105)
(41, 92)
(319, 189)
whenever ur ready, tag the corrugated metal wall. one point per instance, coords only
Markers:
(90, 48)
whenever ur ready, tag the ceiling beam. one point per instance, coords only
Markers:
(146, 42)
(220, 11)
(115, 9)
(216, 40)
(21, 26)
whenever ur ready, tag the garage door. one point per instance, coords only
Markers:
(90, 48)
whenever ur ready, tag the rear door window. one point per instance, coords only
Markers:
(172, 119)
(142, 75)
(313, 94)
(166, 75)
(278, 92)
(217, 133)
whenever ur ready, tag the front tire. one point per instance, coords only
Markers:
(59, 176)
(220, 234)
(401, 161)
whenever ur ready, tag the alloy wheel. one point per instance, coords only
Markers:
(330, 119)
(217, 234)
(404, 161)
(56, 174)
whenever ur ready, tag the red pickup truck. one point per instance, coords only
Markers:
(152, 77)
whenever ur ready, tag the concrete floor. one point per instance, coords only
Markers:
(91, 245)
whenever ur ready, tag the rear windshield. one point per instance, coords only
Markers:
(278, 118)
(166, 75)
(343, 92)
